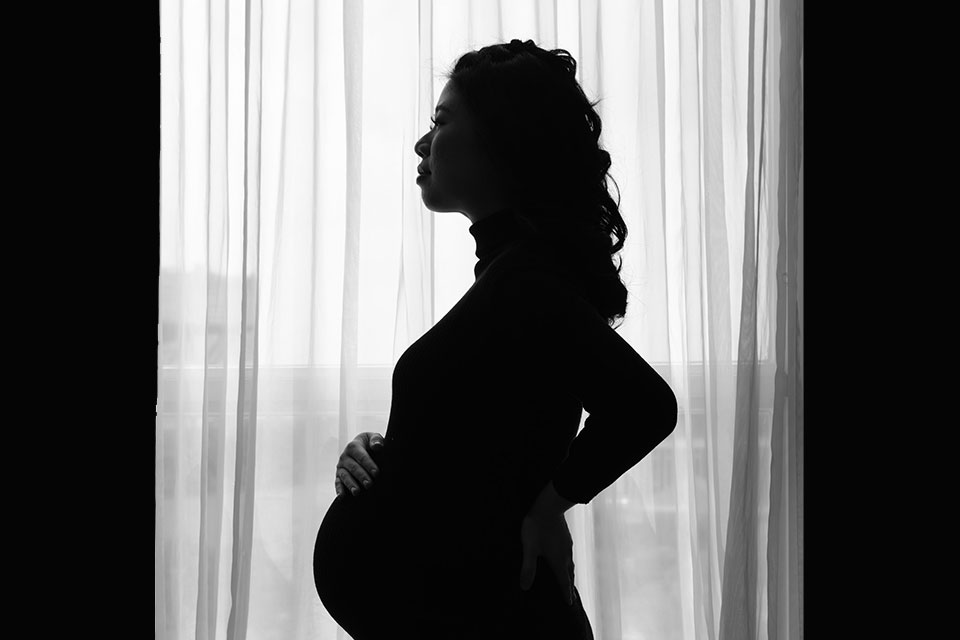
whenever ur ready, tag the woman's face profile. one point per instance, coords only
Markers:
(460, 178)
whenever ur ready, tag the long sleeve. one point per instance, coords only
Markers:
(631, 408)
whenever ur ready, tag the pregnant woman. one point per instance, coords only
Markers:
(452, 525)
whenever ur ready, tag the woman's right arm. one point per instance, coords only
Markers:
(356, 468)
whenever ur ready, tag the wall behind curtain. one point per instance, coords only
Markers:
(298, 262)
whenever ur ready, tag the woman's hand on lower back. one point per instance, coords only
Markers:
(355, 468)
(547, 535)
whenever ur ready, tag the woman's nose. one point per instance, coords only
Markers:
(421, 146)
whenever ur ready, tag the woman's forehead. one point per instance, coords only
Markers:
(448, 99)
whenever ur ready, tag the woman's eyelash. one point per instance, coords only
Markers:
(435, 123)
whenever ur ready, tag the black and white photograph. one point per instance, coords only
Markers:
(480, 320)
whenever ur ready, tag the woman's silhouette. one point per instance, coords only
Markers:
(451, 525)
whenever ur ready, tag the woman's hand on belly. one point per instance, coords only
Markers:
(356, 468)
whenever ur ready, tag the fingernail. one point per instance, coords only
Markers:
(354, 491)
(366, 483)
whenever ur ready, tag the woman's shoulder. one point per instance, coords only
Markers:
(532, 278)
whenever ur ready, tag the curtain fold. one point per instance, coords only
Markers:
(738, 614)
(785, 549)
(217, 248)
(244, 486)
(298, 262)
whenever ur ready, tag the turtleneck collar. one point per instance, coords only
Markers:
(494, 233)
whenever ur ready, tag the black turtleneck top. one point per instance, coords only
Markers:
(501, 380)
(486, 407)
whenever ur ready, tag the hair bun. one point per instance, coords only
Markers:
(517, 45)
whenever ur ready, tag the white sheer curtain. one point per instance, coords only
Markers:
(298, 262)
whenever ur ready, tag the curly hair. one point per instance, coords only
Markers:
(542, 133)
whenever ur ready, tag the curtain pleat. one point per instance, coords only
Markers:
(213, 419)
(785, 549)
(739, 611)
(353, 94)
(246, 439)
(287, 161)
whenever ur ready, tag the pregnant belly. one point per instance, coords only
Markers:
(360, 565)
(358, 526)
(415, 550)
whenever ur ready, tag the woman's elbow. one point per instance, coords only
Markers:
(671, 412)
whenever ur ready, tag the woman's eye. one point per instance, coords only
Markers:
(435, 123)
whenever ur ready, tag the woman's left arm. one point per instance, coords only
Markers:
(631, 409)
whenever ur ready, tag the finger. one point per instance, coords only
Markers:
(376, 440)
(338, 485)
(528, 572)
(566, 584)
(348, 480)
(528, 568)
(364, 463)
(361, 475)
(358, 472)
(564, 574)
